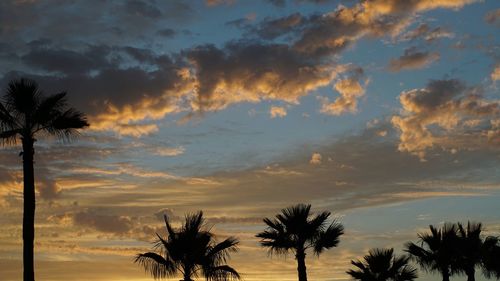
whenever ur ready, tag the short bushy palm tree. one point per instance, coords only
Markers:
(383, 265)
(476, 251)
(437, 251)
(24, 114)
(190, 251)
(491, 260)
(296, 230)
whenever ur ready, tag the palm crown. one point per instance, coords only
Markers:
(382, 265)
(476, 251)
(294, 230)
(437, 251)
(24, 112)
(191, 251)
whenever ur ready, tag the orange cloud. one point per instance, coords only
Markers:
(277, 111)
(445, 114)
(495, 75)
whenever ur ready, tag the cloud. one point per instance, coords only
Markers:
(412, 59)
(169, 151)
(212, 3)
(104, 223)
(128, 89)
(159, 215)
(277, 3)
(277, 111)
(272, 28)
(167, 32)
(368, 18)
(440, 115)
(315, 159)
(427, 33)
(252, 72)
(495, 74)
(114, 97)
(68, 62)
(141, 8)
(350, 90)
(493, 17)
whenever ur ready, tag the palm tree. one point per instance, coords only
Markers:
(191, 251)
(25, 113)
(491, 254)
(437, 250)
(294, 230)
(383, 265)
(474, 251)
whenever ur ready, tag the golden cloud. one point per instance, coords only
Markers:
(495, 75)
(445, 114)
(277, 111)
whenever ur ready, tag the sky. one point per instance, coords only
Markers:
(384, 112)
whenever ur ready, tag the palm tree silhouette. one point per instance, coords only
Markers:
(294, 230)
(474, 251)
(25, 113)
(191, 251)
(491, 262)
(383, 265)
(437, 251)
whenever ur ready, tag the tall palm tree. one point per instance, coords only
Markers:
(24, 114)
(437, 251)
(383, 265)
(294, 230)
(190, 251)
(474, 251)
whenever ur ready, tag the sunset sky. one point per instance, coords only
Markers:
(384, 112)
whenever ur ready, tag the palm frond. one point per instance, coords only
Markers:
(220, 252)
(7, 121)
(9, 137)
(221, 273)
(382, 264)
(22, 97)
(49, 108)
(170, 230)
(66, 124)
(191, 250)
(156, 265)
(328, 238)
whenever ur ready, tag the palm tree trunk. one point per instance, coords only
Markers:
(446, 275)
(301, 265)
(471, 275)
(29, 210)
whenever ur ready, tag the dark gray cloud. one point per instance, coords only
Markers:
(252, 72)
(68, 62)
(103, 222)
(272, 28)
(427, 33)
(142, 8)
(282, 3)
(167, 32)
(413, 59)
(100, 78)
(277, 3)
